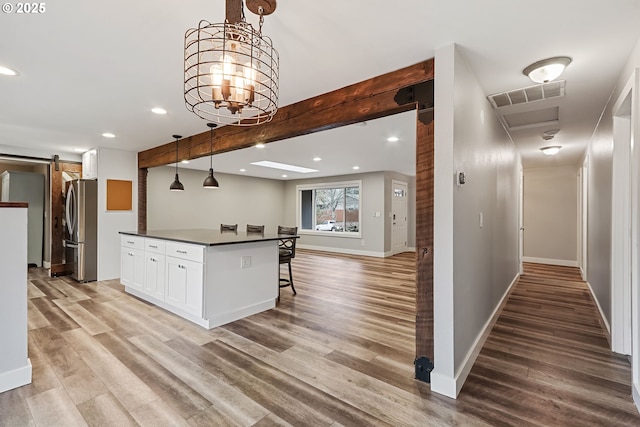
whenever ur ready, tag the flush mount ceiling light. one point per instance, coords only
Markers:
(6, 71)
(210, 181)
(547, 70)
(230, 69)
(176, 185)
(551, 150)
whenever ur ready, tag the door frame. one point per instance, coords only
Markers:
(624, 224)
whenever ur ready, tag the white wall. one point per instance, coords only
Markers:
(121, 165)
(373, 240)
(239, 200)
(473, 265)
(599, 225)
(15, 367)
(551, 215)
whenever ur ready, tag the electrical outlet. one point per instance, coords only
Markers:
(245, 262)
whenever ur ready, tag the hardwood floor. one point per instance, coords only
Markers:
(340, 353)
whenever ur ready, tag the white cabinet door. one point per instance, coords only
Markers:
(132, 268)
(185, 285)
(154, 278)
(90, 164)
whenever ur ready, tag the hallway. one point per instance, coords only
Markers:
(547, 360)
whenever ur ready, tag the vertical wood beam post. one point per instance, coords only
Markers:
(142, 199)
(424, 250)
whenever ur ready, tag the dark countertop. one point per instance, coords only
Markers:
(14, 205)
(207, 237)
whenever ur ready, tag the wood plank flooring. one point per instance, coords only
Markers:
(340, 353)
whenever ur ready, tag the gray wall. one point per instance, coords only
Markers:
(473, 265)
(239, 200)
(551, 215)
(375, 237)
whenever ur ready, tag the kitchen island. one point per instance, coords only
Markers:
(205, 276)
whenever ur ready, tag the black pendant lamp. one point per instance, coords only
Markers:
(210, 181)
(176, 185)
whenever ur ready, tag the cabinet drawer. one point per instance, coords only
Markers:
(185, 251)
(154, 245)
(135, 242)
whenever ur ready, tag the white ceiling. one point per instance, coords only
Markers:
(93, 67)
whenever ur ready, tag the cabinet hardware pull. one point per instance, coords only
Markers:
(181, 252)
(130, 242)
(153, 246)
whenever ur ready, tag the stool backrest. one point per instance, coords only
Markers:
(288, 244)
(255, 228)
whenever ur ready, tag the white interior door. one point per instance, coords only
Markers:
(399, 208)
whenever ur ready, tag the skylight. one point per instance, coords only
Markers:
(283, 166)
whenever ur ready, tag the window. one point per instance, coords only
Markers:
(332, 208)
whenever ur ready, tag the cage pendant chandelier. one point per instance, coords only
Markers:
(230, 69)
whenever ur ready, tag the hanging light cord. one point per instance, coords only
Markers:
(211, 149)
(176, 156)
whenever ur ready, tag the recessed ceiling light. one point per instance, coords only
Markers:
(243, 170)
(185, 161)
(79, 150)
(108, 135)
(260, 145)
(393, 139)
(6, 71)
(284, 176)
(551, 150)
(283, 166)
(317, 159)
(355, 168)
(158, 110)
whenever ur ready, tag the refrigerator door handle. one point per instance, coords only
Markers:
(70, 210)
(72, 245)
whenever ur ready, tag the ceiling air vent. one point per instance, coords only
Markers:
(528, 94)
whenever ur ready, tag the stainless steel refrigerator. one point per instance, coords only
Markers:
(81, 217)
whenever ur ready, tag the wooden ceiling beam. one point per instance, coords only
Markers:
(362, 101)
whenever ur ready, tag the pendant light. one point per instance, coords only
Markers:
(176, 185)
(210, 181)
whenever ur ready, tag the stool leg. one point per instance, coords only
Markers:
(291, 279)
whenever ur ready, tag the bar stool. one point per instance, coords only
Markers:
(229, 227)
(287, 252)
(255, 228)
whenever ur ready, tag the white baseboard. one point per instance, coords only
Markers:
(343, 251)
(602, 317)
(46, 264)
(561, 262)
(443, 384)
(635, 391)
(352, 251)
(451, 387)
(16, 378)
